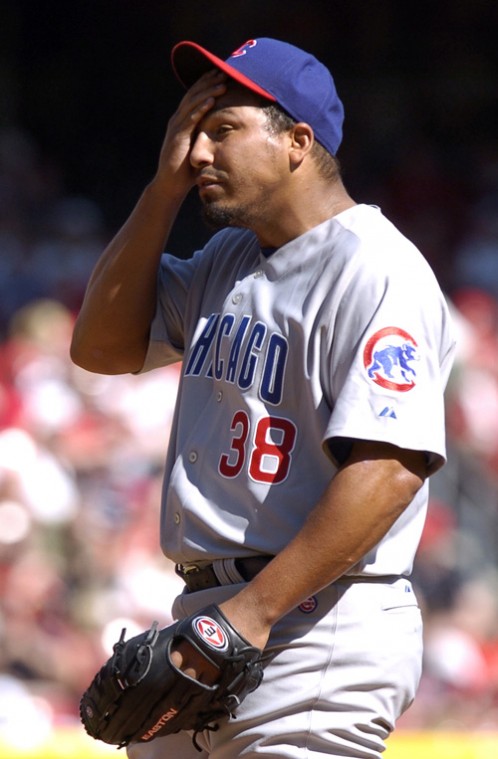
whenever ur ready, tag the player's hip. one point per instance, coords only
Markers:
(365, 616)
(343, 667)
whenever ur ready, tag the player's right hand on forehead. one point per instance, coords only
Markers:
(198, 100)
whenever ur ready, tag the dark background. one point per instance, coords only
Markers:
(90, 82)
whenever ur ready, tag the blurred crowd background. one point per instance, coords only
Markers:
(85, 93)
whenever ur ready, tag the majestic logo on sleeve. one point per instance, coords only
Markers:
(389, 356)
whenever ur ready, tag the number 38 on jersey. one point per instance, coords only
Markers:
(266, 451)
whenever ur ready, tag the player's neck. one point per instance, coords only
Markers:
(299, 214)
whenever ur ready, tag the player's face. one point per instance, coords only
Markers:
(241, 165)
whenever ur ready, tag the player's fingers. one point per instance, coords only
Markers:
(202, 95)
(189, 661)
(210, 79)
(183, 123)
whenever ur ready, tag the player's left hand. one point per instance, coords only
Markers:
(247, 618)
(140, 693)
(188, 659)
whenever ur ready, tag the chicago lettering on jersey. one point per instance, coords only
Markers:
(240, 354)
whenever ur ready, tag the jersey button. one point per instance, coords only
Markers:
(219, 396)
(236, 298)
(192, 457)
(177, 518)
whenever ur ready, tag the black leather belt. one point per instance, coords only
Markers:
(201, 576)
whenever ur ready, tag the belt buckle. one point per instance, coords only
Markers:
(184, 570)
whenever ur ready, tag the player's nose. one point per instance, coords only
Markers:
(201, 152)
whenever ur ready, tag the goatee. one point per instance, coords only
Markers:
(218, 217)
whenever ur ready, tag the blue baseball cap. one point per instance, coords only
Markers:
(279, 72)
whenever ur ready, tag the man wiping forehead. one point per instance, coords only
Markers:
(296, 479)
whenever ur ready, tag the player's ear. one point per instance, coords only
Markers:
(302, 138)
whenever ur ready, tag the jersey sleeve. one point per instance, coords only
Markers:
(390, 360)
(166, 339)
(184, 287)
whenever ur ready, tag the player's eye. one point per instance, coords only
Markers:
(223, 129)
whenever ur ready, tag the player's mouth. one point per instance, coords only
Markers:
(207, 182)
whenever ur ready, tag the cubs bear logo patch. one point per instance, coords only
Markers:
(389, 357)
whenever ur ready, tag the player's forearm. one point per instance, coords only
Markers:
(358, 508)
(112, 329)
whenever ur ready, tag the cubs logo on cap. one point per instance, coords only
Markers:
(211, 633)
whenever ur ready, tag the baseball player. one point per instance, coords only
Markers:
(316, 345)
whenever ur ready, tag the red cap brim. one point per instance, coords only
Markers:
(190, 61)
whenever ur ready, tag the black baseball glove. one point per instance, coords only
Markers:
(139, 694)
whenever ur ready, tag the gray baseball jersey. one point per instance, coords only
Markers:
(288, 356)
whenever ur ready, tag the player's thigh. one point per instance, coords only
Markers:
(344, 670)
(177, 746)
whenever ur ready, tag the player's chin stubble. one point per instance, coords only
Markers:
(218, 216)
